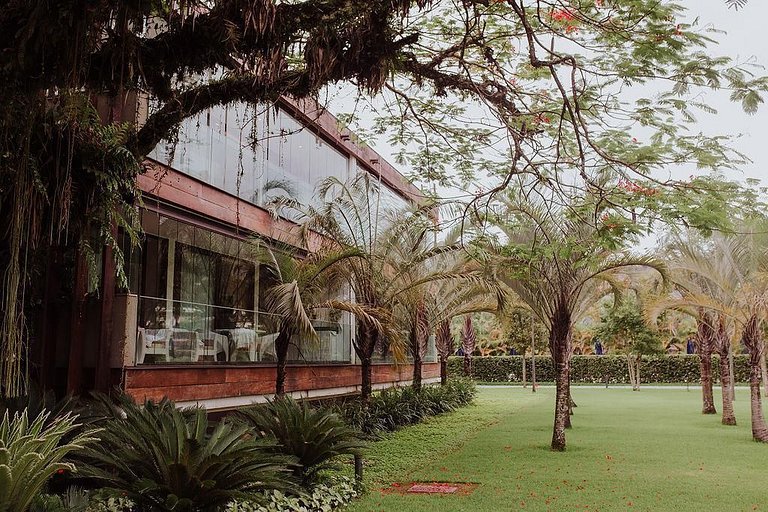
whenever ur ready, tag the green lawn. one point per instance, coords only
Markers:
(648, 450)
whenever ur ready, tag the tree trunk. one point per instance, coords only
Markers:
(764, 373)
(723, 348)
(282, 343)
(637, 371)
(467, 365)
(560, 349)
(759, 428)
(751, 337)
(533, 373)
(733, 375)
(705, 335)
(562, 399)
(417, 367)
(364, 346)
(729, 417)
(630, 371)
(366, 384)
(525, 384)
(443, 371)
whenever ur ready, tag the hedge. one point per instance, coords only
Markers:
(597, 369)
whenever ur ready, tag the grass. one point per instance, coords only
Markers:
(649, 450)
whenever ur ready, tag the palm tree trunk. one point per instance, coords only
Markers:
(751, 337)
(443, 371)
(764, 373)
(708, 400)
(417, 367)
(364, 347)
(560, 349)
(729, 417)
(281, 351)
(467, 365)
(723, 347)
(759, 428)
(733, 375)
(705, 334)
(562, 401)
(366, 380)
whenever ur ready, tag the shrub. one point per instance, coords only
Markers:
(31, 452)
(397, 407)
(323, 498)
(162, 458)
(315, 437)
(79, 500)
(597, 369)
(74, 500)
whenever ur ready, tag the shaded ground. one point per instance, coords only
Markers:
(648, 450)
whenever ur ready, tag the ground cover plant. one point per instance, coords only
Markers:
(397, 407)
(631, 451)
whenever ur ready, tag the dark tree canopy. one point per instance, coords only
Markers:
(90, 87)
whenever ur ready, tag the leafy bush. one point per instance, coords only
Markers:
(38, 401)
(315, 437)
(162, 458)
(397, 407)
(74, 500)
(79, 500)
(31, 452)
(323, 498)
(596, 369)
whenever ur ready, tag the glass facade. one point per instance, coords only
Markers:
(255, 154)
(198, 301)
(199, 291)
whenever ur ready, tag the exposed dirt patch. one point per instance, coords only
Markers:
(456, 488)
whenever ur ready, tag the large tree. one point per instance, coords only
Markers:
(559, 264)
(90, 88)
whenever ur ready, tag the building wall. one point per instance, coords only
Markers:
(234, 386)
(216, 182)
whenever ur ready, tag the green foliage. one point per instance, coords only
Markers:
(74, 500)
(315, 437)
(162, 458)
(31, 452)
(624, 329)
(595, 369)
(323, 498)
(394, 408)
(36, 402)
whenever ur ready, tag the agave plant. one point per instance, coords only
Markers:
(31, 452)
(163, 458)
(316, 437)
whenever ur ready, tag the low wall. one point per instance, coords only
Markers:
(220, 387)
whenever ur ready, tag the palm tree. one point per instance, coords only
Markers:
(297, 286)
(445, 344)
(468, 342)
(709, 282)
(382, 274)
(454, 298)
(728, 277)
(558, 264)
